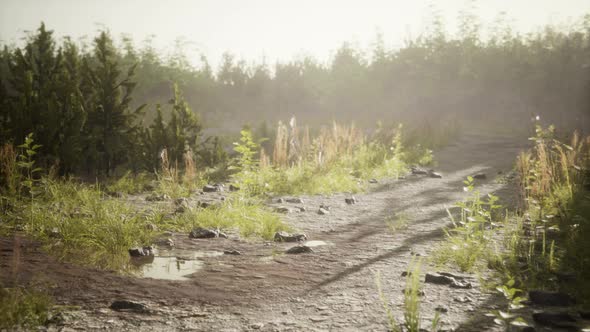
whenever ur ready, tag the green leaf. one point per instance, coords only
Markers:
(506, 315)
(520, 322)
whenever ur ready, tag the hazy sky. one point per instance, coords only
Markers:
(275, 29)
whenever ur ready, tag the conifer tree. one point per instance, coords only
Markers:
(112, 123)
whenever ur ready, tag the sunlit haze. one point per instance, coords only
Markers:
(269, 29)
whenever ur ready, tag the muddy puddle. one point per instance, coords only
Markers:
(171, 264)
(317, 243)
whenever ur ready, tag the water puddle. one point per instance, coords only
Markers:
(171, 264)
(317, 243)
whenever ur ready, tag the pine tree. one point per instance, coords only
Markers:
(111, 122)
(184, 127)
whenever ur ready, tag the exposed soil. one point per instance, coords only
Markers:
(332, 288)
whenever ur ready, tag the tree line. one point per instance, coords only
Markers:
(78, 106)
(96, 107)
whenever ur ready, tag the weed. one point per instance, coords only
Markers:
(397, 222)
(412, 319)
(22, 308)
(468, 242)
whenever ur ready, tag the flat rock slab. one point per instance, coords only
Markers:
(125, 305)
(440, 279)
(203, 233)
(323, 211)
(141, 252)
(550, 298)
(301, 249)
(560, 319)
(286, 237)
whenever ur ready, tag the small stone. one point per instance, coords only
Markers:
(141, 252)
(295, 200)
(323, 211)
(373, 181)
(282, 209)
(286, 237)
(233, 188)
(182, 201)
(438, 279)
(318, 319)
(463, 299)
(211, 189)
(280, 201)
(165, 242)
(350, 200)
(441, 309)
(300, 249)
(125, 305)
(479, 176)
(55, 233)
(232, 252)
(157, 198)
(301, 209)
(418, 171)
(434, 175)
(256, 326)
(203, 233)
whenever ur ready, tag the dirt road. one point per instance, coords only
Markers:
(332, 289)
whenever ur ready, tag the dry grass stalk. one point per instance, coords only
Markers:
(264, 159)
(294, 153)
(8, 167)
(170, 173)
(190, 168)
(280, 153)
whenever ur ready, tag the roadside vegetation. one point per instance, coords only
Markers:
(543, 244)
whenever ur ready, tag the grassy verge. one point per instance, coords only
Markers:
(246, 215)
(80, 223)
(22, 308)
(542, 247)
(338, 159)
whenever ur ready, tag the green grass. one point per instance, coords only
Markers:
(23, 309)
(248, 216)
(468, 242)
(411, 306)
(397, 222)
(130, 184)
(79, 223)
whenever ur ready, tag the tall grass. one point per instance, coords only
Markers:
(338, 159)
(78, 223)
(553, 181)
(474, 222)
(247, 216)
(547, 236)
(22, 308)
